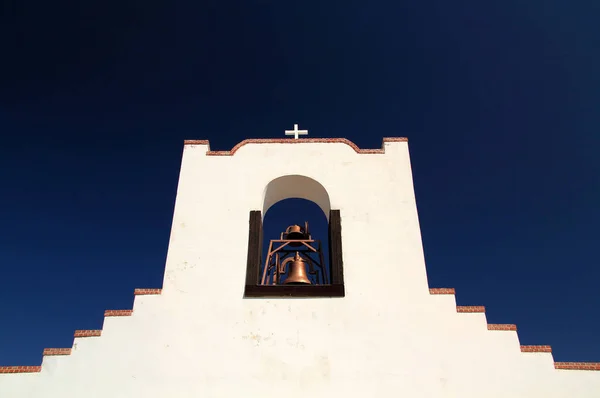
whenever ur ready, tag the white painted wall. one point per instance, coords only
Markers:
(387, 338)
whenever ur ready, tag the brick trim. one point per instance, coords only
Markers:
(536, 348)
(294, 141)
(442, 290)
(20, 369)
(496, 326)
(577, 365)
(470, 309)
(196, 142)
(88, 333)
(145, 292)
(118, 313)
(57, 351)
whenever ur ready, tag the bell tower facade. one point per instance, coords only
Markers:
(366, 195)
(230, 322)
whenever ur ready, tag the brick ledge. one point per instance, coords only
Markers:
(118, 313)
(577, 365)
(536, 348)
(499, 326)
(144, 292)
(511, 327)
(20, 369)
(88, 333)
(79, 334)
(56, 351)
(294, 141)
(470, 308)
(442, 290)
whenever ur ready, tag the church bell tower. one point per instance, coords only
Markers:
(359, 322)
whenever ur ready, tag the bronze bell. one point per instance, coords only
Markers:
(297, 274)
(295, 232)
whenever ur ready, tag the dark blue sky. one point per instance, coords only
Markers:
(499, 101)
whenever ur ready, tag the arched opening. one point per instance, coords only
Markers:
(294, 242)
(296, 186)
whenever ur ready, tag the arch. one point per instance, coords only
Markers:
(296, 186)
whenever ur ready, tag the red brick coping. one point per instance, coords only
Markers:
(577, 365)
(442, 291)
(536, 348)
(57, 351)
(78, 334)
(143, 292)
(294, 141)
(496, 326)
(470, 308)
(20, 369)
(510, 327)
(118, 313)
(88, 333)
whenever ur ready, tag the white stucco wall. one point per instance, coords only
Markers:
(387, 338)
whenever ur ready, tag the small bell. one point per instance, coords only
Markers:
(297, 274)
(295, 232)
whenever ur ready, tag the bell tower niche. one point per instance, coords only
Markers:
(296, 251)
(295, 259)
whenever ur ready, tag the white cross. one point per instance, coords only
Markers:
(295, 132)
